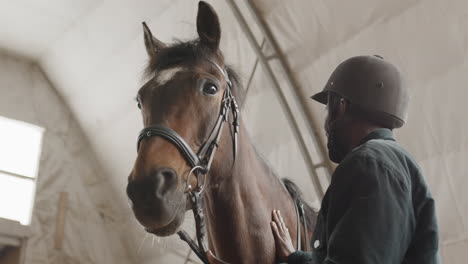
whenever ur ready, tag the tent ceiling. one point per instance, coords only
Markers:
(92, 51)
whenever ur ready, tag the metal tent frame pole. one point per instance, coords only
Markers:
(298, 97)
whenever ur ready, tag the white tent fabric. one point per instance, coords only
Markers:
(92, 52)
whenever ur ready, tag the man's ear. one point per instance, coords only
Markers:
(341, 107)
(152, 44)
(208, 27)
(336, 106)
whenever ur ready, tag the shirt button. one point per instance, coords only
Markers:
(316, 244)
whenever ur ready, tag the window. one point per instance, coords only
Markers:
(20, 149)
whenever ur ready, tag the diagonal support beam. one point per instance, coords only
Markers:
(293, 122)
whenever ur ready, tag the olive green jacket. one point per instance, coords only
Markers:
(377, 209)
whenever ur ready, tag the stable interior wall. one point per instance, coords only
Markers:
(67, 165)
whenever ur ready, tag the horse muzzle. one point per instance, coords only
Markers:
(156, 200)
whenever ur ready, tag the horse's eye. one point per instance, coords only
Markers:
(209, 88)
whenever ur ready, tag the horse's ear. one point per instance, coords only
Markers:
(208, 28)
(152, 44)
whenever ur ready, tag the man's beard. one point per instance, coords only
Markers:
(336, 150)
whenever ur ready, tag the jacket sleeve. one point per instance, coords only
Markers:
(370, 219)
(300, 257)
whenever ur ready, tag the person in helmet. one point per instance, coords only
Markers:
(377, 208)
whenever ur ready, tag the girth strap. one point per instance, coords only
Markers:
(298, 218)
(304, 220)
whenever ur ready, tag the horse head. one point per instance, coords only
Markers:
(185, 92)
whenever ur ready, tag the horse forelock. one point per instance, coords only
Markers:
(185, 54)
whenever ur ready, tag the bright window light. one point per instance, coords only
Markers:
(20, 149)
(16, 197)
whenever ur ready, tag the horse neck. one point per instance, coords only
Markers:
(247, 171)
(239, 200)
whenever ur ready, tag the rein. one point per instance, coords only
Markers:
(201, 163)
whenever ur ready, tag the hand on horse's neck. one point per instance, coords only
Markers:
(239, 201)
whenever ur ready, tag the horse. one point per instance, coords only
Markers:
(189, 83)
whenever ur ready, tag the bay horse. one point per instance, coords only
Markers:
(180, 104)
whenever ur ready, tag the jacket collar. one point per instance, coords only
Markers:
(380, 133)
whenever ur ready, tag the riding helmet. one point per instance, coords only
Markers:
(372, 84)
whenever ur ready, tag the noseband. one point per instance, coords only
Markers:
(200, 162)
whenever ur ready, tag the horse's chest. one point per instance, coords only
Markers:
(243, 243)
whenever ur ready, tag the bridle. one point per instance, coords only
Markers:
(201, 161)
(200, 164)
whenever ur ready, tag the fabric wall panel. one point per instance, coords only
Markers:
(66, 165)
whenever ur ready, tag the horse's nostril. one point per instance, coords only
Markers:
(141, 193)
(165, 179)
(151, 189)
(131, 191)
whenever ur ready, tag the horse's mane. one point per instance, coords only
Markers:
(296, 194)
(190, 53)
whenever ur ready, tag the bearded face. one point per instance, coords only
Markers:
(334, 126)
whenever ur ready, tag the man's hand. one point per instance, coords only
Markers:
(284, 245)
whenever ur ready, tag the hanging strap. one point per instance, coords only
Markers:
(298, 226)
(304, 220)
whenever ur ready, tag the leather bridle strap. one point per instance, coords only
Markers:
(206, 153)
(171, 136)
